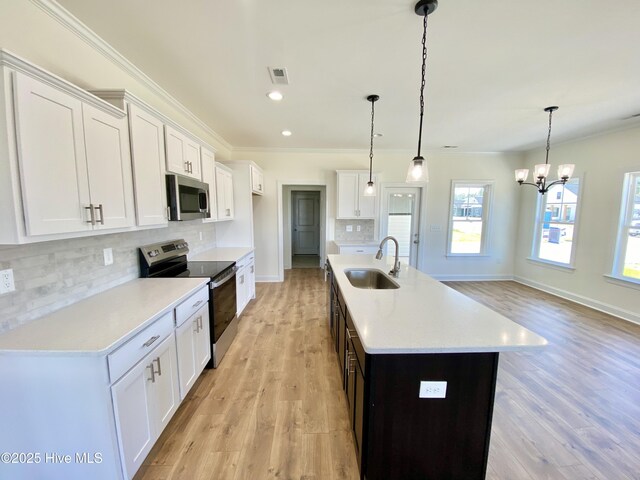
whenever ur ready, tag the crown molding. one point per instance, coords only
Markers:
(73, 24)
(19, 64)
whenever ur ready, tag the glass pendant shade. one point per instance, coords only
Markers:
(565, 171)
(417, 172)
(522, 174)
(370, 190)
(542, 170)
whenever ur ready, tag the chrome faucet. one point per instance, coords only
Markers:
(396, 265)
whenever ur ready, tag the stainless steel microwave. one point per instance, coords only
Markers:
(187, 199)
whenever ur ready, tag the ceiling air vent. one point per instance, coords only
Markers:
(279, 75)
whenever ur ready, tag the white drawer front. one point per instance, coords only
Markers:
(135, 349)
(191, 305)
(364, 250)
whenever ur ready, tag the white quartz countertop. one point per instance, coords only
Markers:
(424, 315)
(222, 254)
(101, 323)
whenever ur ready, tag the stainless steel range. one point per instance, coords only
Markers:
(169, 259)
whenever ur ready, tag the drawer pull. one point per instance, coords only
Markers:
(149, 342)
(153, 373)
(195, 305)
(159, 366)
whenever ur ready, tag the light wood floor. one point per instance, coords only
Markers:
(572, 410)
(275, 408)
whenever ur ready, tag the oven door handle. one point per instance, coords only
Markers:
(225, 279)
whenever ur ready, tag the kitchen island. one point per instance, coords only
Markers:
(419, 364)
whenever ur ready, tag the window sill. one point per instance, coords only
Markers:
(622, 281)
(556, 265)
(467, 255)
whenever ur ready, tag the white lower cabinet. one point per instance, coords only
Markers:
(144, 400)
(192, 339)
(245, 281)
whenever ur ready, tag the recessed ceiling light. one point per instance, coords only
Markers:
(275, 96)
(286, 133)
(376, 135)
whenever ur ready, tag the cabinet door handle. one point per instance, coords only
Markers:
(197, 326)
(196, 304)
(199, 322)
(252, 268)
(159, 366)
(153, 373)
(149, 342)
(92, 214)
(241, 279)
(186, 166)
(228, 210)
(100, 209)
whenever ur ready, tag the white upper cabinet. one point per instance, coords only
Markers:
(209, 177)
(74, 161)
(148, 161)
(52, 158)
(109, 166)
(183, 154)
(351, 200)
(224, 192)
(257, 180)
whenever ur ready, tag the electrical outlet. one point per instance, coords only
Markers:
(6, 281)
(433, 389)
(349, 228)
(200, 235)
(108, 256)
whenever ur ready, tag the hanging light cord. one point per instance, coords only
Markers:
(424, 70)
(371, 146)
(549, 137)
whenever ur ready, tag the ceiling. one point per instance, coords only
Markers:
(492, 67)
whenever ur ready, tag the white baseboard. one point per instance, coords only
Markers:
(470, 278)
(587, 302)
(268, 278)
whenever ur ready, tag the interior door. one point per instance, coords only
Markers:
(306, 223)
(401, 219)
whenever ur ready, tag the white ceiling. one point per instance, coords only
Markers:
(493, 66)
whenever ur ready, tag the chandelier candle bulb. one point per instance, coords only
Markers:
(542, 170)
(522, 174)
(565, 171)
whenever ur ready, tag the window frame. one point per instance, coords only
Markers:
(541, 204)
(624, 225)
(487, 202)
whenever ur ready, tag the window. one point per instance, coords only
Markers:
(469, 217)
(627, 258)
(555, 232)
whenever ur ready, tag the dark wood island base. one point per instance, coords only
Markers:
(399, 435)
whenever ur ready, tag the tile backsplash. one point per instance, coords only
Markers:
(51, 275)
(366, 233)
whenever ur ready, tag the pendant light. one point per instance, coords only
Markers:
(417, 171)
(370, 189)
(542, 170)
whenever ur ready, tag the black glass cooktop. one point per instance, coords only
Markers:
(205, 269)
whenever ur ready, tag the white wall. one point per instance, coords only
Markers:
(603, 161)
(304, 167)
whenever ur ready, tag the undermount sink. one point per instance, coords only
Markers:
(370, 279)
